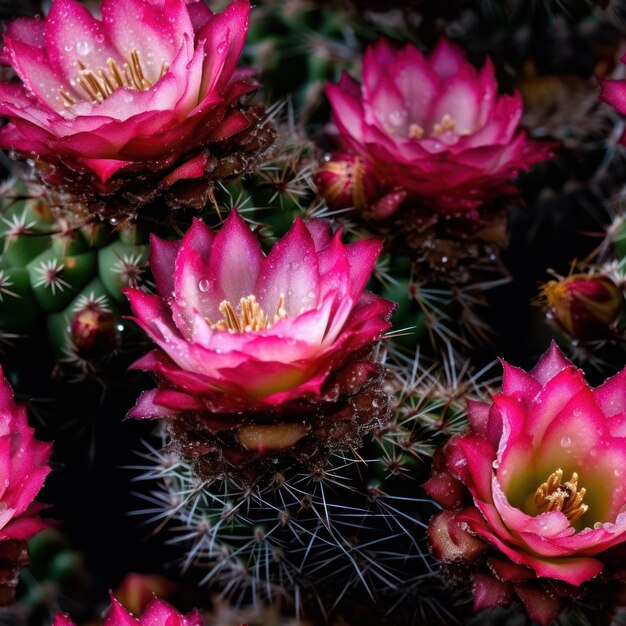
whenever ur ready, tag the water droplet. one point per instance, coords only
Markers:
(100, 38)
(69, 47)
(113, 221)
(566, 442)
(310, 295)
(83, 47)
(397, 117)
(203, 285)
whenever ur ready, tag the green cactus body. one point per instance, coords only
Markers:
(51, 270)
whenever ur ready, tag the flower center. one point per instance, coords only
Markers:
(251, 316)
(446, 124)
(565, 497)
(101, 83)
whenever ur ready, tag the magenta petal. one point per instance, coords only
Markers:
(291, 269)
(611, 395)
(362, 257)
(62, 619)
(539, 603)
(321, 232)
(146, 407)
(73, 34)
(517, 382)
(489, 592)
(224, 37)
(447, 59)
(118, 616)
(348, 111)
(162, 263)
(550, 364)
(32, 66)
(193, 285)
(236, 259)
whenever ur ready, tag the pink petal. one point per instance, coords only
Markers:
(73, 35)
(162, 262)
(540, 605)
(224, 37)
(347, 109)
(118, 616)
(447, 59)
(155, 33)
(611, 395)
(291, 269)
(362, 257)
(489, 592)
(236, 258)
(550, 364)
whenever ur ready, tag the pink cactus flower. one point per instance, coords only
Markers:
(534, 490)
(432, 130)
(158, 612)
(614, 92)
(150, 89)
(24, 463)
(238, 329)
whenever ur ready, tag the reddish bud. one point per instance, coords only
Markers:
(585, 306)
(94, 331)
(345, 182)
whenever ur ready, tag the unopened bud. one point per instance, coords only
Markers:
(585, 306)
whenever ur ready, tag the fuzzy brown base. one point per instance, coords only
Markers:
(141, 189)
(353, 403)
(13, 557)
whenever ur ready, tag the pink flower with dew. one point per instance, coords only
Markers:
(431, 130)
(146, 90)
(24, 467)
(158, 612)
(237, 328)
(537, 484)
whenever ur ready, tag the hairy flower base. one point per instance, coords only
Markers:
(153, 187)
(13, 557)
(250, 445)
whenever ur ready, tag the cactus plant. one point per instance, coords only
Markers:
(67, 277)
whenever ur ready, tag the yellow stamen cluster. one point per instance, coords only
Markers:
(101, 83)
(446, 124)
(416, 131)
(251, 316)
(565, 497)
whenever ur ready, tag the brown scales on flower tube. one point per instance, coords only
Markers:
(565, 497)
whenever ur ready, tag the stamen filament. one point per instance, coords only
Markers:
(566, 497)
(251, 316)
(101, 83)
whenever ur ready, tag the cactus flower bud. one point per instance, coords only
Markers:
(585, 306)
(93, 331)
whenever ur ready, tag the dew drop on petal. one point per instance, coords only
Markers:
(203, 285)
(566, 442)
(82, 47)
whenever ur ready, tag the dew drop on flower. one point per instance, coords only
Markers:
(69, 47)
(566, 442)
(82, 47)
(203, 285)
